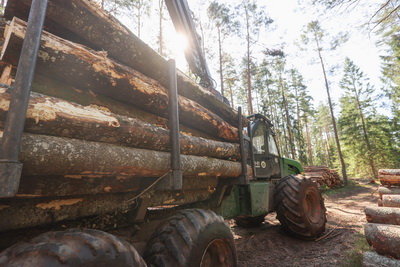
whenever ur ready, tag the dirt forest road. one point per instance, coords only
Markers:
(340, 245)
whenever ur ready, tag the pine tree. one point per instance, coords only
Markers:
(354, 105)
(303, 111)
(315, 35)
(255, 19)
(222, 18)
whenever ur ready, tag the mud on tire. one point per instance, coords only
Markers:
(192, 237)
(300, 207)
(249, 221)
(73, 247)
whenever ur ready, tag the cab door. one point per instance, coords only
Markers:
(265, 152)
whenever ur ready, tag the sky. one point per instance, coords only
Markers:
(290, 18)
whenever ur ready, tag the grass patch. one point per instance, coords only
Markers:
(354, 256)
(349, 187)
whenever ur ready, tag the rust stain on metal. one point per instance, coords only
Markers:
(56, 204)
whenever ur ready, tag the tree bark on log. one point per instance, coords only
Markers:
(383, 215)
(72, 185)
(52, 116)
(393, 190)
(391, 201)
(84, 22)
(49, 155)
(389, 176)
(76, 65)
(384, 239)
(373, 259)
(17, 213)
(51, 87)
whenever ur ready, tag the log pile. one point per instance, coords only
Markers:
(383, 228)
(97, 121)
(323, 176)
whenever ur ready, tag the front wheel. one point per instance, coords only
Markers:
(192, 237)
(300, 207)
(73, 247)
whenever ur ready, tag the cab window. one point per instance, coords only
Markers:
(273, 149)
(259, 140)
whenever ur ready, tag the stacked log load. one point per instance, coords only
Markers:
(97, 121)
(323, 176)
(383, 228)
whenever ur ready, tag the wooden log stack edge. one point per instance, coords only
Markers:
(373, 259)
(384, 238)
(382, 231)
(52, 116)
(90, 70)
(389, 177)
(323, 176)
(82, 21)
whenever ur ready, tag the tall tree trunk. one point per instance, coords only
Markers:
(288, 124)
(344, 174)
(365, 133)
(221, 75)
(309, 146)
(139, 15)
(249, 93)
(160, 36)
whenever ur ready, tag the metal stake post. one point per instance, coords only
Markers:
(244, 177)
(10, 167)
(176, 177)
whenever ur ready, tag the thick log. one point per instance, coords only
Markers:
(87, 69)
(52, 116)
(393, 190)
(383, 215)
(84, 22)
(72, 185)
(391, 201)
(49, 155)
(51, 87)
(384, 238)
(373, 259)
(17, 213)
(389, 176)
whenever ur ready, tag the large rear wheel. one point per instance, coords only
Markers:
(192, 237)
(300, 207)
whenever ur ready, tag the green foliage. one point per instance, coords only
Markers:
(359, 120)
(356, 111)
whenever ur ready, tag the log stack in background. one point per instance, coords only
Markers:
(97, 121)
(383, 228)
(323, 176)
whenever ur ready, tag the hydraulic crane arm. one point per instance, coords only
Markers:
(183, 22)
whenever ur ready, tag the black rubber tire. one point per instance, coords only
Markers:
(249, 221)
(192, 237)
(300, 207)
(73, 247)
